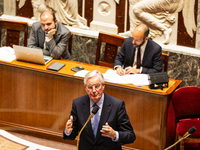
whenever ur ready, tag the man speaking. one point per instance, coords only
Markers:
(109, 128)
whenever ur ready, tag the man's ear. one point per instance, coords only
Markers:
(56, 21)
(146, 38)
(85, 87)
(103, 86)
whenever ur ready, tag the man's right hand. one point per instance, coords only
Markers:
(51, 32)
(68, 128)
(120, 71)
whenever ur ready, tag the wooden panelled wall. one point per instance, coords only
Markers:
(183, 38)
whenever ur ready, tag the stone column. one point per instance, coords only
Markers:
(104, 15)
(197, 45)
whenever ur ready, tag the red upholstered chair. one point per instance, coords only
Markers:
(186, 103)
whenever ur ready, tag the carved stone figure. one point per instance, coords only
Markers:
(66, 11)
(158, 15)
(38, 7)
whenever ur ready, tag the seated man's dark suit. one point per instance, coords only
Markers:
(152, 59)
(113, 112)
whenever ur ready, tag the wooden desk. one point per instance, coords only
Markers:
(40, 100)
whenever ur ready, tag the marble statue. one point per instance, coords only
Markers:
(66, 11)
(38, 7)
(159, 16)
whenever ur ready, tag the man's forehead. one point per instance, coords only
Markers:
(137, 35)
(46, 17)
(94, 79)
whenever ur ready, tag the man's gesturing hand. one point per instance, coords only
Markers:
(69, 125)
(108, 131)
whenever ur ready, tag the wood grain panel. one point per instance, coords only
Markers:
(89, 11)
(183, 37)
(120, 15)
(26, 10)
(40, 100)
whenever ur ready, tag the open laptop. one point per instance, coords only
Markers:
(30, 55)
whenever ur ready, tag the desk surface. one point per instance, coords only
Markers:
(66, 71)
(40, 100)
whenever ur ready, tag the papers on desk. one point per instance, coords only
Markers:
(81, 73)
(112, 76)
(136, 79)
(7, 54)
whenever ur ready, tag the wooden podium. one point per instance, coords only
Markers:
(40, 100)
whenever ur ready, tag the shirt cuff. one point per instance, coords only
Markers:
(117, 137)
(67, 134)
(115, 67)
(141, 69)
(48, 38)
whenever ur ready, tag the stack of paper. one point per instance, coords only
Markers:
(7, 54)
(136, 79)
(112, 76)
(81, 73)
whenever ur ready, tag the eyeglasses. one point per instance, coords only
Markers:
(96, 87)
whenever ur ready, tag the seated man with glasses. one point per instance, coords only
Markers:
(109, 128)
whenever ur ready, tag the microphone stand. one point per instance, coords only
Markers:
(78, 138)
(182, 138)
(94, 111)
(190, 131)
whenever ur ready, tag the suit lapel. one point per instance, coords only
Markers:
(147, 50)
(41, 37)
(86, 114)
(58, 32)
(132, 55)
(104, 114)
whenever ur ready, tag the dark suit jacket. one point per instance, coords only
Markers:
(113, 112)
(152, 59)
(57, 47)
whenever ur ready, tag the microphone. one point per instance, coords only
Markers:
(94, 111)
(188, 133)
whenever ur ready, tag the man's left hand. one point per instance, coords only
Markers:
(108, 131)
(131, 70)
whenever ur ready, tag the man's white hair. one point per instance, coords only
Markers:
(92, 74)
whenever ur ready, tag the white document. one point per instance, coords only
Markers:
(113, 77)
(7, 54)
(136, 79)
(81, 73)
